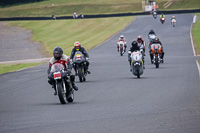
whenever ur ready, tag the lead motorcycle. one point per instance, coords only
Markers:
(62, 83)
(136, 63)
(156, 52)
(79, 64)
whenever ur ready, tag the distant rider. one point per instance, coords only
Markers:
(121, 38)
(162, 16)
(77, 47)
(151, 32)
(173, 17)
(59, 57)
(141, 41)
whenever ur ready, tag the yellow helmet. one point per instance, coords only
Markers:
(173, 17)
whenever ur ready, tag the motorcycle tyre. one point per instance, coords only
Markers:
(71, 98)
(80, 74)
(60, 93)
(156, 62)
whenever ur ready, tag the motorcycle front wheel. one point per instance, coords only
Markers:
(61, 94)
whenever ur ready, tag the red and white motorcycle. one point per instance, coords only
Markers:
(121, 46)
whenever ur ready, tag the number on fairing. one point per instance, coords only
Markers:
(57, 75)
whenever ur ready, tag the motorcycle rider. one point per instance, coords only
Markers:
(59, 57)
(157, 41)
(173, 17)
(121, 38)
(151, 32)
(134, 47)
(77, 47)
(162, 16)
(141, 41)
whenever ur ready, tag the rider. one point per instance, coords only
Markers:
(121, 38)
(141, 41)
(77, 47)
(134, 47)
(156, 40)
(162, 16)
(59, 57)
(151, 32)
(173, 17)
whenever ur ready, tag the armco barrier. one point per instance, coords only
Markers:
(101, 15)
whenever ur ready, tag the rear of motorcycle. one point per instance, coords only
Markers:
(64, 91)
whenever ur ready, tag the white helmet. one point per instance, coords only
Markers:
(122, 36)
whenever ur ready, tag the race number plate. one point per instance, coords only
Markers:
(57, 75)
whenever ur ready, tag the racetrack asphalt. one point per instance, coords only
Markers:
(112, 100)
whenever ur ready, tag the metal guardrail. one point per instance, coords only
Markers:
(101, 15)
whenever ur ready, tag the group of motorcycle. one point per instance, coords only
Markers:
(162, 18)
(137, 57)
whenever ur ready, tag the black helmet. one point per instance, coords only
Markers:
(134, 43)
(57, 53)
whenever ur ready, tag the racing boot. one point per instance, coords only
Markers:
(72, 79)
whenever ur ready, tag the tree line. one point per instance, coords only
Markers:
(16, 2)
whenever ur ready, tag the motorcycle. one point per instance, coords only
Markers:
(155, 15)
(121, 47)
(62, 83)
(136, 63)
(162, 20)
(156, 52)
(142, 50)
(173, 22)
(79, 64)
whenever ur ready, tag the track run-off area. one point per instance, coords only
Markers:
(112, 100)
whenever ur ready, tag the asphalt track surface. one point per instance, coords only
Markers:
(163, 100)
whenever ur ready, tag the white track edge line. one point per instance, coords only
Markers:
(192, 39)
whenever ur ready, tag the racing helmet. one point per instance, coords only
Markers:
(134, 43)
(173, 16)
(57, 53)
(139, 37)
(77, 45)
(122, 36)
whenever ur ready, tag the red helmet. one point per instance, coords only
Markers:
(77, 45)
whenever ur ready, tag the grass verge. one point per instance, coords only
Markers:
(196, 34)
(5, 68)
(64, 33)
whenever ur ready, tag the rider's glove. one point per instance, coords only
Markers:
(87, 59)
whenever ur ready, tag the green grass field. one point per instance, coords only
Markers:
(196, 34)
(68, 7)
(64, 33)
(5, 68)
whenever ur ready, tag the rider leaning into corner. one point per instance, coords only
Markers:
(59, 57)
(134, 47)
(157, 41)
(77, 47)
(121, 38)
